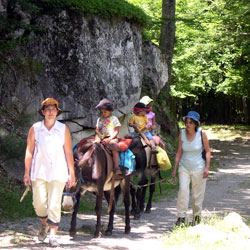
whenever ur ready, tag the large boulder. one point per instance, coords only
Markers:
(80, 59)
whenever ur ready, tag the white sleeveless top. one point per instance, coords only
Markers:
(49, 162)
(191, 158)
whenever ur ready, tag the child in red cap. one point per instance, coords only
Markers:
(139, 121)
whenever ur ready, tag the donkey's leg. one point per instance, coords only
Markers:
(143, 195)
(98, 210)
(109, 230)
(140, 196)
(126, 199)
(151, 192)
(133, 199)
(72, 230)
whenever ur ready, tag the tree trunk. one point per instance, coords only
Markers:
(167, 37)
(167, 119)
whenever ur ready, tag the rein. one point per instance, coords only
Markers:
(168, 180)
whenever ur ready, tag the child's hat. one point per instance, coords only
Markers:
(105, 104)
(146, 100)
(139, 106)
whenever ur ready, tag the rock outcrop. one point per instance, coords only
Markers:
(79, 59)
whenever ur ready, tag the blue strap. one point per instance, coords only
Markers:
(67, 194)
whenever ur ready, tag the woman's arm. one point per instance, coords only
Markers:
(69, 157)
(177, 156)
(208, 153)
(29, 155)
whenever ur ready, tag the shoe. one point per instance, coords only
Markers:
(53, 242)
(196, 220)
(42, 234)
(180, 221)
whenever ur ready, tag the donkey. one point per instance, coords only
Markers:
(93, 174)
(144, 169)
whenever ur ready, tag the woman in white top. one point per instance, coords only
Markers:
(192, 167)
(49, 164)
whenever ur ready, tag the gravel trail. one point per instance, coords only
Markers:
(228, 190)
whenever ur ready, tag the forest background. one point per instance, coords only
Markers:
(210, 67)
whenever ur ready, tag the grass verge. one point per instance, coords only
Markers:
(213, 233)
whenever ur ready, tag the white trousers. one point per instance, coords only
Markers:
(47, 198)
(195, 177)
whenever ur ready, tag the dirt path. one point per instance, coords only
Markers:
(228, 189)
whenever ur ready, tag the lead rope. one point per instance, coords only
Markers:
(168, 180)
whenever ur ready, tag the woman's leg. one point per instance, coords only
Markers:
(183, 194)
(198, 191)
(40, 201)
(55, 191)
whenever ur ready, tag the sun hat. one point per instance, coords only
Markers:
(146, 100)
(193, 115)
(49, 101)
(141, 107)
(105, 104)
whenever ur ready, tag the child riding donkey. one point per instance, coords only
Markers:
(139, 122)
(152, 121)
(107, 130)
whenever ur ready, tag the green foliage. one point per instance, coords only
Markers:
(10, 206)
(153, 9)
(212, 48)
(106, 8)
(212, 54)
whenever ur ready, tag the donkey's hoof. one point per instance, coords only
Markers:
(72, 233)
(127, 230)
(148, 211)
(98, 235)
(108, 233)
(132, 212)
(137, 216)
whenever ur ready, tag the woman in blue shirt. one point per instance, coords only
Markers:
(192, 167)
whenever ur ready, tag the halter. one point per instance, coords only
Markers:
(78, 186)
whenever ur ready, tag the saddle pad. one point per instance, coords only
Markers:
(148, 152)
(123, 144)
(107, 185)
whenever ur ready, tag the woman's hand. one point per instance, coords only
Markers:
(26, 180)
(173, 175)
(71, 180)
(205, 173)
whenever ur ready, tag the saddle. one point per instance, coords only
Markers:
(110, 173)
(151, 158)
